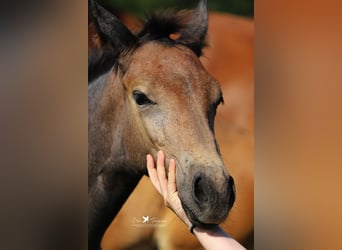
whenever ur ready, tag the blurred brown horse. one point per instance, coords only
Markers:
(143, 87)
(229, 57)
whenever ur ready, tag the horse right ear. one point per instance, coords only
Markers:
(107, 32)
(196, 29)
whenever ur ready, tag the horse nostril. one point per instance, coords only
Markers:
(231, 191)
(199, 187)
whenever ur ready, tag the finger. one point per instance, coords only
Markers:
(172, 177)
(161, 173)
(152, 172)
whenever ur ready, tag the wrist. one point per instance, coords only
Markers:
(212, 230)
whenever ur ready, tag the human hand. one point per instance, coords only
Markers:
(166, 186)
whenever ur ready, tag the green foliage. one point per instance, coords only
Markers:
(141, 7)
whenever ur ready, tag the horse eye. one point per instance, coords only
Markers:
(140, 98)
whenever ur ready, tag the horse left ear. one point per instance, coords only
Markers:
(108, 30)
(195, 31)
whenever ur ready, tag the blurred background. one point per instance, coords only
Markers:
(139, 8)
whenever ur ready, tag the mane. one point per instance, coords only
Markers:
(164, 26)
(99, 62)
(161, 25)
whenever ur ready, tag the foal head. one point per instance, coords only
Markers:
(170, 101)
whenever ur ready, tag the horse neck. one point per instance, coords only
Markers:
(115, 135)
(112, 175)
(110, 142)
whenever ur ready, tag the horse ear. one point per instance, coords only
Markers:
(196, 29)
(107, 30)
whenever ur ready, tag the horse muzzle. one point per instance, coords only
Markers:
(210, 200)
